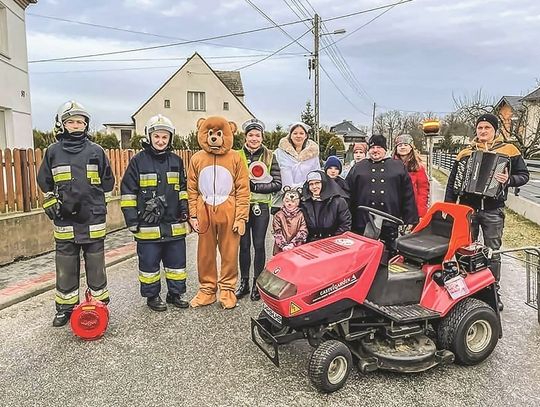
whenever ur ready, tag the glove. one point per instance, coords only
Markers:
(239, 227)
(153, 210)
(134, 229)
(52, 206)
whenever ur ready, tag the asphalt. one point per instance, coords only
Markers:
(205, 357)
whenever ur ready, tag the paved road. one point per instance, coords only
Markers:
(204, 357)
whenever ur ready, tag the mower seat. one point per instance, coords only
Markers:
(429, 244)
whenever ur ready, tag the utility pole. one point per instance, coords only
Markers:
(373, 118)
(316, 26)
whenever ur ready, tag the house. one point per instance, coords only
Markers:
(15, 111)
(508, 108)
(192, 92)
(531, 103)
(348, 132)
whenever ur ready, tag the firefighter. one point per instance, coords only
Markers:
(75, 175)
(154, 203)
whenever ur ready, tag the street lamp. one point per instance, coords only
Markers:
(315, 65)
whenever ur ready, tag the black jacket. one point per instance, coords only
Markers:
(265, 155)
(151, 175)
(518, 176)
(384, 185)
(78, 172)
(328, 216)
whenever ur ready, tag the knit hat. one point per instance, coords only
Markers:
(253, 124)
(377, 140)
(305, 126)
(333, 161)
(360, 146)
(404, 139)
(490, 118)
(314, 176)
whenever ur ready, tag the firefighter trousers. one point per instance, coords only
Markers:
(68, 272)
(173, 256)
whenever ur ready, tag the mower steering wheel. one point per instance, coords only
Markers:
(384, 215)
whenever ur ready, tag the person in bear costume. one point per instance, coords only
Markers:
(218, 197)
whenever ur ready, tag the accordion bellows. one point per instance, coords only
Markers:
(476, 175)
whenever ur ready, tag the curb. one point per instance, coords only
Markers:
(26, 289)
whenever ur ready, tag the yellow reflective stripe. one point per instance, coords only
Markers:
(175, 274)
(97, 231)
(178, 229)
(148, 180)
(182, 195)
(173, 177)
(128, 201)
(92, 174)
(148, 278)
(100, 294)
(60, 169)
(148, 233)
(64, 232)
(69, 298)
(50, 202)
(65, 176)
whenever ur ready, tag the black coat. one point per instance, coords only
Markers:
(383, 185)
(264, 154)
(150, 175)
(78, 172)
(328, 216)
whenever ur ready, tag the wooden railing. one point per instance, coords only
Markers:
(19, 191)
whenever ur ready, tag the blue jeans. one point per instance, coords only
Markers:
(492, 223)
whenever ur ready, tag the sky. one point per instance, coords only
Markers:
(415, 56)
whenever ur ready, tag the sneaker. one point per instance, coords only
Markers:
(61, 318)
(178, 300)
(156, 304)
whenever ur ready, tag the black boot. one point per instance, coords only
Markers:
(243, 289)
(499, 302)
(156, 303)
(178, 300)
(61, 318)
(255, 296)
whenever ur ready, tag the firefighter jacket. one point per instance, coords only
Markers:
(261, 192)
(78, 173)
(151, 175)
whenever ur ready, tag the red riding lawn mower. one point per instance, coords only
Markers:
(435, 302)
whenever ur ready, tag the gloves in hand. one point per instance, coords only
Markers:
(239, 227)
(154, 210)
(52, 207)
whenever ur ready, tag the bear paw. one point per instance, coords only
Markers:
(227, 299)
(202, 299)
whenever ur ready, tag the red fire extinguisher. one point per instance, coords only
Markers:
(90, 318)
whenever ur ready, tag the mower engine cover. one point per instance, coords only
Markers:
(90, 319)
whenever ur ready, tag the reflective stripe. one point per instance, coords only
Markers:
(63, 232)
(69, 298)
(92, 171)
(254, 197)
(100, 294)
(175, 274)
(178, 229)
(97, 231)
(148, 278)
(173, 177)
(182, 195)
(61, 173)
(148, 233)
(148, 180)
(50, 202)
(128, 201)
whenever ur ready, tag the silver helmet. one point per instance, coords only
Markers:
(158, 122)
(67, 110)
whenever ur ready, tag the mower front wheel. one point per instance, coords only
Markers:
(330, 365)
(470, 330)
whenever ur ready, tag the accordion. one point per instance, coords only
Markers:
(477, 174)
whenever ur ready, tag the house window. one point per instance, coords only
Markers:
(167, 104)
(196, 101)
(4, 49)
(225, 105)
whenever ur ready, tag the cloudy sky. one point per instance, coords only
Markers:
(413, 57)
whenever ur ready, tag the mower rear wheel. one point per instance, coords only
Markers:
(470, 331)
(330, 365)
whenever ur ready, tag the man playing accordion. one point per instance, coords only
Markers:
(488, 208)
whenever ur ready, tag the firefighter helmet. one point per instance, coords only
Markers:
(158, 122)
(67, 110)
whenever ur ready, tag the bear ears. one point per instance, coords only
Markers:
(287, 188)
(232, 125)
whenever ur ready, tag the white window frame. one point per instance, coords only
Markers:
(196, 101)
(4, 44)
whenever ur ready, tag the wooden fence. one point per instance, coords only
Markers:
(19, 191)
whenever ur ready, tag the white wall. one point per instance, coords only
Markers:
(14, 83)
(196, 77)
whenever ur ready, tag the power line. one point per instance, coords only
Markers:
(107, 27)
(366, 11)
(174, 44)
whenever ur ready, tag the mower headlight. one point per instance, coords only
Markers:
(275, 286)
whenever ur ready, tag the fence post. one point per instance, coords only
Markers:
(25, 182)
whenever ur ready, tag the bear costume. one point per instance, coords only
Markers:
(218, 197)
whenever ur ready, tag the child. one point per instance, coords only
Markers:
(333, 168)
(289, 226)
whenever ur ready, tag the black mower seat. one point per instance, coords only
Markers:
(429, 244)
